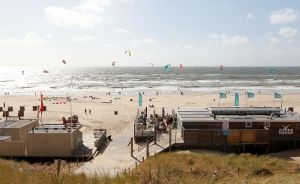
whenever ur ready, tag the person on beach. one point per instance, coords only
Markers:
(4, 104)
(90, 111)
(85, 111)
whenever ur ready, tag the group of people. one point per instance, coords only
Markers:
(87, 111)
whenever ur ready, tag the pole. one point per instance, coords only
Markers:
(170, 138)
(281, 100)
(219, 100)
(246, 99)
(131, 146)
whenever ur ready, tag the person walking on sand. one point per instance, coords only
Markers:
(90, 111)
(4, 104)
(85, 111)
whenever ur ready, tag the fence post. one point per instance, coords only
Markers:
(147, 150)
(170, 138)
(58, 167)
(131, 146)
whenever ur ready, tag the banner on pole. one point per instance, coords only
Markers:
(140, 99)
(250, 95)
(236, 99)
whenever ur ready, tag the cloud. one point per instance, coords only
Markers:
(189, 46)
(144, 41)
(229, 40)
(127, 1)
(287, 32)
(283, 16)
(71, 18)
(84, 15)
(29, 40)
(82, 38)
(92, 5)
(120, 30)
(249, 15)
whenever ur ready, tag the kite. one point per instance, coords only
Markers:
(152, 64)
(46, 71)
(64, 62)
(180, 67)
(128, 52)
(167, 67)
(221, 67)
(23, 72)
(113, 63)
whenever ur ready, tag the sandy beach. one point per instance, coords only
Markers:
(102, 114)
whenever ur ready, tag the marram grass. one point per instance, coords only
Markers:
(165, 168)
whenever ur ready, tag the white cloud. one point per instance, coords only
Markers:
(92, 5)
(144, 41)
(283, 16)
(287, 32)
(189, 46)
(29, 40)
(229, 40)
(120, 30)
(82, 38)
(71, 18)
(127, 1)
(249, 15)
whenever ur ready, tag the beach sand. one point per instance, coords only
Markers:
(102, 115)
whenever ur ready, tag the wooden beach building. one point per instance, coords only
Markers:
(239, 129)
(26, 138)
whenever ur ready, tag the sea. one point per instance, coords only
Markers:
(85, 80)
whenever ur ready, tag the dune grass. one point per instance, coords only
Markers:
(167, 168)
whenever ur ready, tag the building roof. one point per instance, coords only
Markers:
(15, 124)
(55, 128)
(236, 114)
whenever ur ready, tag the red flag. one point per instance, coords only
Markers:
(42, 104)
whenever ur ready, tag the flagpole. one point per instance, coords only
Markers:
(246, 98)
(281, 100)
(274, 101)
(219, 99)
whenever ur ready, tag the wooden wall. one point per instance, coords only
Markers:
(198, 137)
(49, 145)
(12, 148)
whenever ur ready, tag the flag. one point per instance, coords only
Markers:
(250, 95)
(140, 99)
(277, 95)
(42, 105)
(236, 99)
(223, 95)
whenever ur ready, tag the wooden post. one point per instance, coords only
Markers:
(170, 138)
(131, 146)
(58, 167)
(147, 150)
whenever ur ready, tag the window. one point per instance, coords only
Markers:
(267, 124)
(248, 124)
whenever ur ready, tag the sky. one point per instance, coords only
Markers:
(190, 32)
